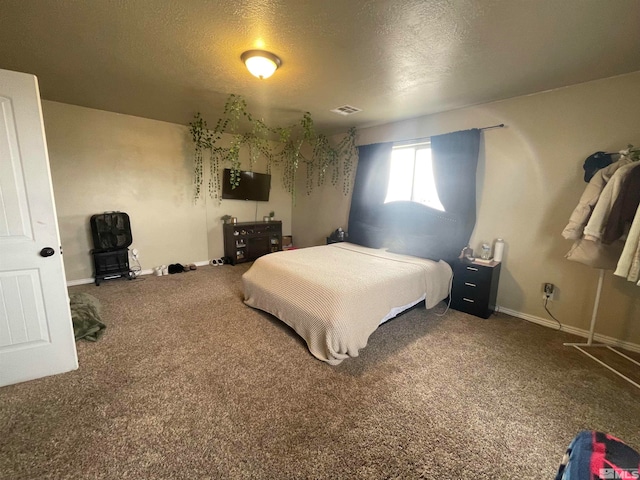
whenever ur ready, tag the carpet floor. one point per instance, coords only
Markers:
(189, 383)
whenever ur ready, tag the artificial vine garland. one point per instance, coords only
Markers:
(285, 152)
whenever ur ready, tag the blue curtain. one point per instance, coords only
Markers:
(455, 161)
(369, 192)
(411, 228)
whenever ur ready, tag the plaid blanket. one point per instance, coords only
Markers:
(596, 455)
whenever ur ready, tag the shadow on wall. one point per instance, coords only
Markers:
(188, 164)
(77, 239)
(557, 214)
(632, 310)
(509, 284)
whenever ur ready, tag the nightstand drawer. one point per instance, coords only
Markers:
(477, 307)
(475, 288)
(469, 289)
(473, 273)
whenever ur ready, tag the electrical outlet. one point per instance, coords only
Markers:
(134, 253)
(548, 289)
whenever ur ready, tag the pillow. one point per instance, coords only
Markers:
(367, 235)
(434, 247)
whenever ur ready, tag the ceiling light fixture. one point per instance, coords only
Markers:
(261, 63)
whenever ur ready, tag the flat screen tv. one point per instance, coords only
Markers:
(253, 186)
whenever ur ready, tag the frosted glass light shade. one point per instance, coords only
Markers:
(260, 63)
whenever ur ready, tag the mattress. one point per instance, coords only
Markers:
(335, 296)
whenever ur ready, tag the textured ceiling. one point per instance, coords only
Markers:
(395, 59)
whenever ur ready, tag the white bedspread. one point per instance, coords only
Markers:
(335, 296)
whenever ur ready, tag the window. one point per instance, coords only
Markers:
(411, 176)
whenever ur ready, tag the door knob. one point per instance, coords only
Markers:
(47, 252)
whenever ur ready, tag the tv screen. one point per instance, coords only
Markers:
(253, 186)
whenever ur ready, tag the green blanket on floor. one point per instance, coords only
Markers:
(85, 313)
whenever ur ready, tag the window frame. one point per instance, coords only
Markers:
(417, 146)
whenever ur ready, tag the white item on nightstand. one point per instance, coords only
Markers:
(498, 250)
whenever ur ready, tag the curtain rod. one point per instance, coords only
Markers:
(500, 125)
(421, 140)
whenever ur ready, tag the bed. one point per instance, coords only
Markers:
(335, 296)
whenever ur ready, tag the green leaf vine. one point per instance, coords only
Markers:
(286, 152)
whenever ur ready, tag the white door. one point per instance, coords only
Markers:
(36, 333)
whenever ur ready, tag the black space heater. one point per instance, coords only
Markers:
(111, 232)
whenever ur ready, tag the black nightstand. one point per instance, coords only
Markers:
(475, 287)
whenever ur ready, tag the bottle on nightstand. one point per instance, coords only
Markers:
(498, 250)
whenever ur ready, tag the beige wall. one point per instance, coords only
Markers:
(318, 214)
(103, 161)
(245, 211)
(529, 181)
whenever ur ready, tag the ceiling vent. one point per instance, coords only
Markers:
(346, 110)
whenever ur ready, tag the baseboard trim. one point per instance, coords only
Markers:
(633, 347)
(82, 281)
(149, 271)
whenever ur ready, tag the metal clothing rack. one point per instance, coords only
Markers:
(581, 346)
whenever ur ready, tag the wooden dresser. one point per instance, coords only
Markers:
(246, 241)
